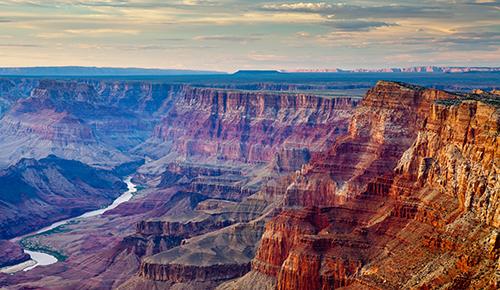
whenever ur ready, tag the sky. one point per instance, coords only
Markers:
(249, 34)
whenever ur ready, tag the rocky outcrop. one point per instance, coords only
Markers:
(14, 90)
(291, 159)
(12, 254)
(201, 259)
(457, 152)
(192, 273)
(382, 201)
(95, 122)
(37, 193)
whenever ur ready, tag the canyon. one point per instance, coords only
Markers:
(252, 185)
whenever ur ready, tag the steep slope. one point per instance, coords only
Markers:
(35, 128)
(282, 133)
(95, 122)
(37, 193)
(421, 212)
(13, 90)
(382, 128)
(214, 126)
(399, 191)
(12, 254)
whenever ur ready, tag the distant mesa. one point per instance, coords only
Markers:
(416, 69)
(256, 72)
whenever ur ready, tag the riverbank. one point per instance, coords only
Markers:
(42, 255)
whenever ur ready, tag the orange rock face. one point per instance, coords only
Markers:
(414, 182)
(382, 128)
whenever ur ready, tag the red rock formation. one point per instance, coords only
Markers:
(382, 128)
(192, 273)
(389, 205)
(250, 126)
(422, 185)
(458, 152)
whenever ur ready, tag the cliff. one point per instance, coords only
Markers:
(222, 125)
(383, 126)
(421, 187)
(96, 122)
(457, 151)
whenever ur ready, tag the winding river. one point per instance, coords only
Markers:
(43, 259)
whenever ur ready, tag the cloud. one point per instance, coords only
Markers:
(349, 11)
(471, 40)
(87, 33)
(111, 3)
(141, 31)
(19, 45)
(299, 7)
(228, 38)
(357, 25)
(266, 57)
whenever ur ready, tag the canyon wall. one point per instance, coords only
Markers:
(292, 191)
(96, 122)
(422, 186)
(381, 129)
(219, 125)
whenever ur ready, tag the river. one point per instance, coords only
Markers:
(43, 259)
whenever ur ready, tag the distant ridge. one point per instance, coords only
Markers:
(256, 72)
(416, 69)
(96, 71)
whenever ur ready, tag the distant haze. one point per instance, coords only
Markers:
(95, 71)
(113, 71)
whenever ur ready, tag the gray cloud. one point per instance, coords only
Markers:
(472, 40)
(19, 45)
(357, 25)
(112, 3)
(228, 38)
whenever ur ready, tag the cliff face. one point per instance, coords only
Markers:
(34, 128)
(276, 133)
(249, 126)
(12, 91)
(422, 186)
(382, 128)
(457, 151)
(96, 122)
(202, 260)
(104, 122)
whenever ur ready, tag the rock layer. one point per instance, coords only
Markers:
(249, 127)
(422, 186)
